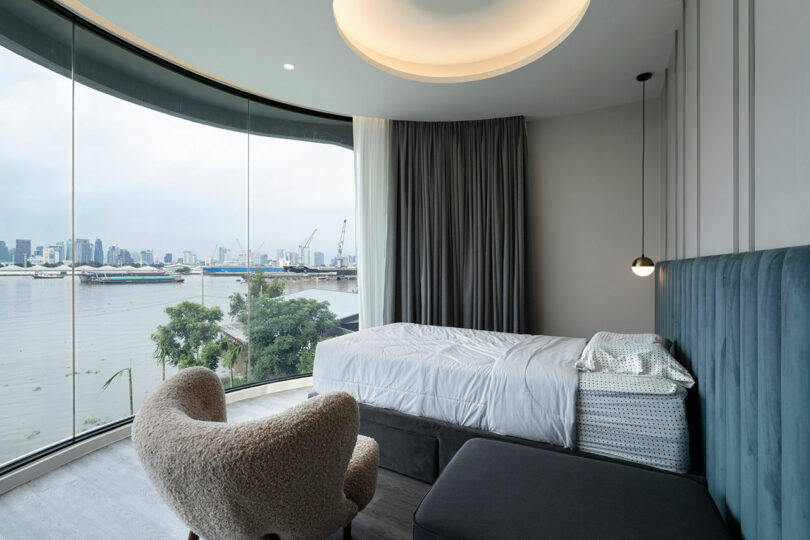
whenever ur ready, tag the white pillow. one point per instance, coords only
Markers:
(634, 354)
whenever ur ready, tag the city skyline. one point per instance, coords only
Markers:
(89, 248)
(148, 180)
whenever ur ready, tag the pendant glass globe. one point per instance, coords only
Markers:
(643, 266)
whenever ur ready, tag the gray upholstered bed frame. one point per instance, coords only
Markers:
(741, 325)
(421, 447)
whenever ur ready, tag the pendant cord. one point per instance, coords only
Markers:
(643, 150)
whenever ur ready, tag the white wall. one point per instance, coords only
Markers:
(737, 102)
(584, 221)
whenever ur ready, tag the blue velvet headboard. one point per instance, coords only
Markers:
(741, 324)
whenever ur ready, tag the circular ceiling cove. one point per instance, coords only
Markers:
(449, 41)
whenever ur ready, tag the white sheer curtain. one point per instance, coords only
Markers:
(372, 139)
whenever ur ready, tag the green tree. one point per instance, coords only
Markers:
(258, 286)
(282, 331)
(118, 374)
(306, 362)
(232, 353)
(237, 306)
(190, 337)
(183, 270)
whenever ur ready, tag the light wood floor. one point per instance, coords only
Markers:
(107, 495)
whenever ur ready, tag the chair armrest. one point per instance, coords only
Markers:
(361, 476)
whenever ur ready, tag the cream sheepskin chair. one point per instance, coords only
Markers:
(301, 474)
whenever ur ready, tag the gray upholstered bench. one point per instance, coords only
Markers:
(497, 490)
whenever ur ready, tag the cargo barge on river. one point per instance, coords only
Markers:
(127, 278)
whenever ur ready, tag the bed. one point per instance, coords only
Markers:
(441, 386)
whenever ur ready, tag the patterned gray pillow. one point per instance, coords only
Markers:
(634, 354)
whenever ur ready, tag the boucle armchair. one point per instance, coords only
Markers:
(301, 474)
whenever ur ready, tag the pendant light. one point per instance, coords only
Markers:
(643, 266)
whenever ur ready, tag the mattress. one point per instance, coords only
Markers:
(517, 385)
(639, 419)
(512, 384)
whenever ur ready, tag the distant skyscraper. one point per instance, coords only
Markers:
(189, 258)
(124, 257)
(50, 255)
(4, 254)
(113, 256)
(69, 249)
(222, 254)
(147, 257)
(98, 252)
(167, 258)
(60, 247)
(264, 259)
(22, 251)
(84, 251)
(38, 251)
(319, 258)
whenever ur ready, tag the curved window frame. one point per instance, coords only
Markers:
(340, 139)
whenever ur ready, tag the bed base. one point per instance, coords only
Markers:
(421, 447)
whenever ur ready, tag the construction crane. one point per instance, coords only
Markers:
(339, 259)
(305, 246)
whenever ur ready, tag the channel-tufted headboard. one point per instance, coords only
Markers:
(741, 324)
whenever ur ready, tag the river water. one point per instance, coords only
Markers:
(113, 328)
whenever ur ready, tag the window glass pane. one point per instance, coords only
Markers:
(156, 197)
(35, 314)
(301, 194)
(155, 247)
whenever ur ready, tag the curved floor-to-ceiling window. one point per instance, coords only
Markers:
(36, 388)
(151, 221)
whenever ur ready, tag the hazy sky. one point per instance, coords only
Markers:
(147, 180)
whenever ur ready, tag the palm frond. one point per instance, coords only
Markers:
(116, 375)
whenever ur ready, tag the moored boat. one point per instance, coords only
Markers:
(128, 278)
(47, 275)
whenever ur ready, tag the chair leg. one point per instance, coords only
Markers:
(347, 532)
(193, 536)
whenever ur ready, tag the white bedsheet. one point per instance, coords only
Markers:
(518, 385)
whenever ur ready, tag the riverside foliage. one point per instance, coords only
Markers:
(282, 333)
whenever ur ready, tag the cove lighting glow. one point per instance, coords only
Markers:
(454, 40)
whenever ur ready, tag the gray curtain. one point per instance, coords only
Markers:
(456, 237)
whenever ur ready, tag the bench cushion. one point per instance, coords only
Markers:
(493, 489)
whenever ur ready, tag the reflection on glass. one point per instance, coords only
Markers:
(35, 328)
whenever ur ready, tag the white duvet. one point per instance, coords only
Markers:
(518, 385)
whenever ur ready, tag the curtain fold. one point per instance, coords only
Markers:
(372, 144)
(456, 250)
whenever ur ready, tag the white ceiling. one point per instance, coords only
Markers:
(247, 42)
